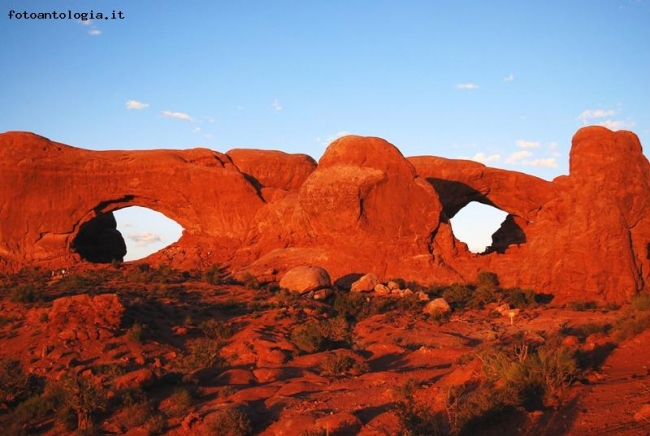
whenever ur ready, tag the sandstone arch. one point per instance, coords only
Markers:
(364, 208)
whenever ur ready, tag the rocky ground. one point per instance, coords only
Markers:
(128, 349)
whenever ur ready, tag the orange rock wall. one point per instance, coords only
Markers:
(363, 208)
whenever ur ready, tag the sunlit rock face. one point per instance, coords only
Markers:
(364, 208)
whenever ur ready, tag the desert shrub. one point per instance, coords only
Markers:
(134, 415)
(215, 329)
(336, 363)
(590, 328)
(482, 295)
(214, 275)
(641, 301)
(135, 333)
(581, 306)
(250, 281)
(27, 414)
(630, 324)
(415, 418)
(201, 353)
(314, 336)
(349, 304)
(531, 377)
(15, 383)
(458, 295)
(487, 279)
(310, 337)
(24, 293)
(181, 400)
(84, 397)
(229, 422)
(520, 298)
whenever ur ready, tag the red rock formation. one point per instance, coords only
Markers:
(364, 209)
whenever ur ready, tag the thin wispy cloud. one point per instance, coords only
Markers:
(276, 105)
(136, 105)
(177, 115)
(196, 130)
(143, 239)
(331, 138)
(510, 78)
(467, 86)
(617, 124)
(92, 29)
(591, 114)
(527, 144)
(594, 116)
(485, 159)
(517, 157)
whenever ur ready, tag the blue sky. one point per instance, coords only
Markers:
(503, 82)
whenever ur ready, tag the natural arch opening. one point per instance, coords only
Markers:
(145, 231)
(99, 241)
(475, 225)
(126, 234)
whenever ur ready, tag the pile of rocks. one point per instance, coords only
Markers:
(370, 283)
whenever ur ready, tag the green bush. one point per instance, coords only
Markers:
(84, 397)
(229, 422)
(217, 330)
(417, 419)
(201, 353)
(531, 377)
(214, 275)
(458, 295)
(310, 337)
(520, 298)
(630, 324)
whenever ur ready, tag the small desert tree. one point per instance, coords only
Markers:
(83, 397)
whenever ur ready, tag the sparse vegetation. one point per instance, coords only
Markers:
(229, 422)
(201, 353)
(15, 383)
(214, 329)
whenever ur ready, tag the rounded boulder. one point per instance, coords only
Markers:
(304, 279)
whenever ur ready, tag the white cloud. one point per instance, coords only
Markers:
(196, 130)
(510, 78)
(86, 22)
(589, 114)
(527, 144)
(617, 124)
(518, 156)
(543, 163)
(482, 158)
(94, 32)
(177, 115)
(276, 105)
(135, 104)
(144, 238)
(467, 86)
